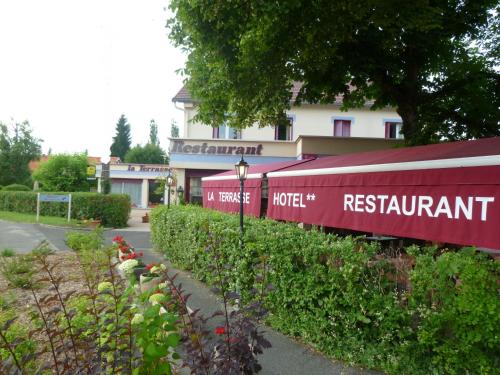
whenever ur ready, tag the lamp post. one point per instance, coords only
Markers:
(170, 182)
(180, 191)
(241, 173)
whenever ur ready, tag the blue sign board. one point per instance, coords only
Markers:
(54, 198)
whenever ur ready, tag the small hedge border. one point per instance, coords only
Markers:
(343, 297)
(112, 209)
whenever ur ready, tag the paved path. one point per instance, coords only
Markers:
(286, 356)
(21, 238)
(24, 237)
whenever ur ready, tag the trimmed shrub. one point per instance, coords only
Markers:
(344, 297)
(81, 241)
(16, 187)
(113, 209)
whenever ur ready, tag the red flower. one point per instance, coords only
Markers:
(149, 266)
(124, 248)
(220, 330)
(118, 239)
(141, 253)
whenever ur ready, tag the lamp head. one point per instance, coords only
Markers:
(241, 169)
(170, 178)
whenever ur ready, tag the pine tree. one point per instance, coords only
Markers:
(174, 129)
(122, 140)
(153, 133)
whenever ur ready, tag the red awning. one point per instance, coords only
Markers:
(222, 191)
(446, 193)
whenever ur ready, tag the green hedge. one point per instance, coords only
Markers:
(15, 187)
(112, 209)
(344, 297)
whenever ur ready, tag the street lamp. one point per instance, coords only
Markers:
(170, 182)
(241, 173)
(180, 192)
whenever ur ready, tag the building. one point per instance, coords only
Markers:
(139, 181)
(315, 130)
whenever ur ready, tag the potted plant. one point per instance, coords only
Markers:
(145, 218)
(122, 247)
(125, 251)
(152, 277)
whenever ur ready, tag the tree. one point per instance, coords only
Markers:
(153, 133)
(122, 140)
(63, 172)
(424, 58)
(174, 129)
(17, 149)
(148, 154)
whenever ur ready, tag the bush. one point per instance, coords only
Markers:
(16, 331)
(16, 187)
(81, 241)
(344, 297)
(112, 209)
(7, 252)
(63, 172)
(18, 271)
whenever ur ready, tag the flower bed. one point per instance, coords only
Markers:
(431, 311)
(84, 312)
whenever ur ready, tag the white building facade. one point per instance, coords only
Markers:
(314, 131)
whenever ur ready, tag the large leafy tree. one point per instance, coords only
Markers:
(17, 148)
(63, 172)
(148, 154)
(425, 58)
(122, 140)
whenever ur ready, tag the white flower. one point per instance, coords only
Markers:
(159, 268)
(137, 319)
(128, 266)
(105, 285)
(163, 285)
(157, 298)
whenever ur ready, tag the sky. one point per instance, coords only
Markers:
(72, 67)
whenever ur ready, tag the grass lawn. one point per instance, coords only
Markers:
(31, 218)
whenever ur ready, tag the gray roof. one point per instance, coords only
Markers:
(183, 95)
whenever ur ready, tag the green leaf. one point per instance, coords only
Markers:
(173, 339)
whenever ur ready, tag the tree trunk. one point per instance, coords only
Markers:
(410, 130)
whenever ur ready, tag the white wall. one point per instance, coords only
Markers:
(195, 130)
(308, 120)
(318, 120)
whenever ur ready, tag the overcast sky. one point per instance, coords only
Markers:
(72, 67)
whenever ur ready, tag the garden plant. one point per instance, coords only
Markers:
(104, 324)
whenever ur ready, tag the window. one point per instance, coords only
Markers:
(393, 130)
(284, 132)
(341, 128)
(226, 132)
(195, 187)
